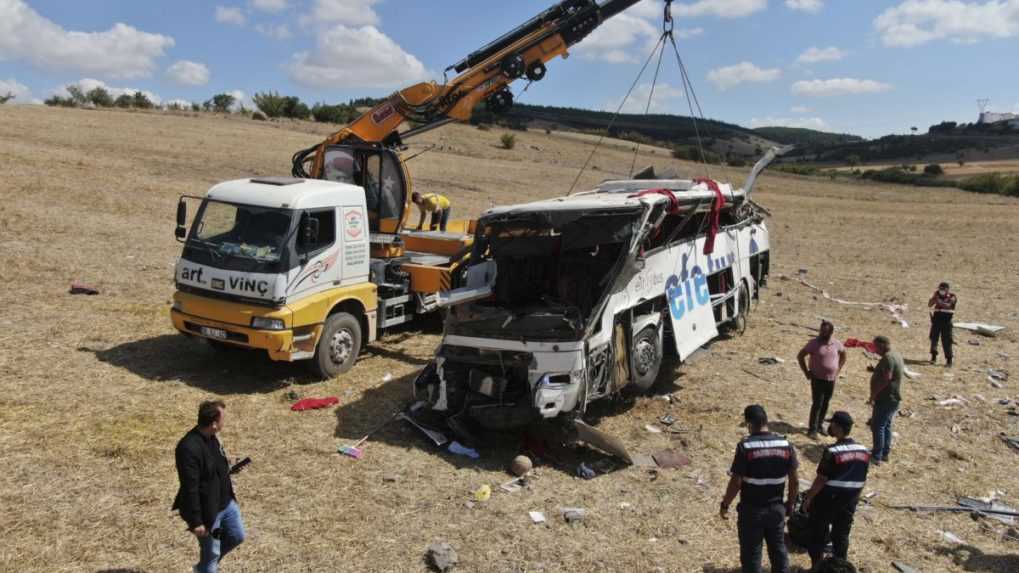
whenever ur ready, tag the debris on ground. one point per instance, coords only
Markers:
(314, 403)
(652, 429)
(974, 343)
(896, 310)
(573, 514)
(981, 328)
(536, 517)
(442, 557)
(437, 437)
(667, 420)
(1012, 442)
(514, 485)
(462, 450)
(857, 343)
(999, 375)
(903, 568)
(951, 537)
(770, 360)
(670, 459)
(952, 402)
(644, 461)
(81, 288)
(983, 506)
(390, 478)
(388, 377)
(483, 493)
(601, 440)
(912, 375)
(521, 465)
(585, 471)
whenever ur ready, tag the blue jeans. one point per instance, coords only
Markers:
(230, 529)
(881, 426)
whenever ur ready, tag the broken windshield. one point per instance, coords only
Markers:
(242, 237)
(553, 269)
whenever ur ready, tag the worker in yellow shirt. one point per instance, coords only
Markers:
(435, 204)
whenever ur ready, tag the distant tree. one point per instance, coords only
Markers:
(933, 169)
(141, 101)
(123, 100)
(269, 103)
(78, 97)
(508, 141)
(853, 160)
(195, 106)
(59, 101)
(960, 157)
(339, 113)
(6, 98)
(221, 103)
(914, 129)
(100, 97)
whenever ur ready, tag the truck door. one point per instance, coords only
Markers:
(686, 290)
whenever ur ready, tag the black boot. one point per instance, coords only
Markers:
(934, 357)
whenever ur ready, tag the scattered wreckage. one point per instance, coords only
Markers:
(573, 300)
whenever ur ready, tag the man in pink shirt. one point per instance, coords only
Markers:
(827, 357)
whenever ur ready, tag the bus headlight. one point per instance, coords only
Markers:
(263, 323)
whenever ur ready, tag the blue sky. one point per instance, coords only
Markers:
(868, 67)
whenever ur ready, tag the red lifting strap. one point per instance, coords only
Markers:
(715, 214)
(673, 202)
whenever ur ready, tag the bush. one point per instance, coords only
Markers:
(220, 103)
(484, 127)
(195, 106)
(78, 97)
(508, 141)
(6, 98)
(141, 101)
(100, 97)
(339, 113)
(258, 116)
(123, 100)
(737, 162)
(993, 183)
(933, 169)
(59, 101)
(274, 105)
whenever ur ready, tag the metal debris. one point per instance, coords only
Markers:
(442, 557)
(573, 514)
(536, 517)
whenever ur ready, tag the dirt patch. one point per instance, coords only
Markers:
(96, 390)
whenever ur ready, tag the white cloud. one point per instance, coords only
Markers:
(721, 8)
(838, 87)
(274, 31)
(88, 84)
(688, 33)
(347, 12)
(916, 22)
(813, 6)
(661, 101)
(19, 90)
(120, 52)
(356, 58)
(814, 55)
(614, 40)
(806, 122)
(187, 73)
(270, 5)
(801, 109)
(230, 15)
(743, 72)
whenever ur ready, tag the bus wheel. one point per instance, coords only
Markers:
(646, 357)
(338, 347)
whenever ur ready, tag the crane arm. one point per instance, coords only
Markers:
(483, 76)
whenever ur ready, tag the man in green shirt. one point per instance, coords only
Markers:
(885, 385)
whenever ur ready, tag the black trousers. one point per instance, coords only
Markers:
(831, 512)
(757, 525)
(941, 327)
(820, 393)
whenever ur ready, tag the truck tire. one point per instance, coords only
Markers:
(646, 356)
(338, 347)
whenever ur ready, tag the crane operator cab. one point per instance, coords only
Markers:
(380, 172)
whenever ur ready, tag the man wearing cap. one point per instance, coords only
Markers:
(885, 397)
(827, 357)
(763, 464)
(942, 308)
(831, 500)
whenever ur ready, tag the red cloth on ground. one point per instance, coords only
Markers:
(855, 343)
(714, 215)
(314, 403)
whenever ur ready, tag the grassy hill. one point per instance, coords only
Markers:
(805, 137)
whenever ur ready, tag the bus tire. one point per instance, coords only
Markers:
(742, 311)
(646, 356)
(338, 347)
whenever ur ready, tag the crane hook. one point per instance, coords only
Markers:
(668, 23)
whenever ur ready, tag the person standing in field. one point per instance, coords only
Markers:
(206, 498)
(885, 397)
(436, 205)
(942, 306)
(826, 356)
(763, 466)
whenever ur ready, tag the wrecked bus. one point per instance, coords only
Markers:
(571, 300)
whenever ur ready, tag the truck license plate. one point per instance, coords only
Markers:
(213, 332)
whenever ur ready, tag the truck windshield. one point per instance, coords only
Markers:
(245, 235)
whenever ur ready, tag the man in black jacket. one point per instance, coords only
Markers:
(206, 496)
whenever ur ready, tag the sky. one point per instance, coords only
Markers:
(867, 67)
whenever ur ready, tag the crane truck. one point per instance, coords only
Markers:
(315, 266)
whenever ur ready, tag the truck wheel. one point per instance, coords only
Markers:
(646, 357)
(338, 348)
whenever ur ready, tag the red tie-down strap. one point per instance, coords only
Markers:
(673, 201)
(714, 215)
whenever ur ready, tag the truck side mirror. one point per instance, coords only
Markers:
(309, 231)
(182, 219)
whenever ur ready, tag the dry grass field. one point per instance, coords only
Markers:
(95, 391)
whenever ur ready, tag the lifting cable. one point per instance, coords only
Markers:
(668, 25)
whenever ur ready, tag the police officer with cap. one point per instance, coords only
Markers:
(831, 500)
(764, 464)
